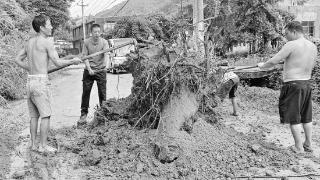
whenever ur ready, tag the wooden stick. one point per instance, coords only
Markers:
(249, 67)
(94, 54)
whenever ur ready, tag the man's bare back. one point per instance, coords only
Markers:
(298, 65)
(37, 55)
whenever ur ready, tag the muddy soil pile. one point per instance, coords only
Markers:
(201, 147)
(210, 151)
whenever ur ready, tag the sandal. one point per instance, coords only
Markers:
(307, 148)
(295, 150)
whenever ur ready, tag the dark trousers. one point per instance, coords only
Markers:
(87, 82)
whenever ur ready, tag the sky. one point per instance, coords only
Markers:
(94, 6)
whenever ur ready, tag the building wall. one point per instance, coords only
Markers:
(77, 32)
(310, 14)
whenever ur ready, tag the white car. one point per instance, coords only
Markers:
(118, 56)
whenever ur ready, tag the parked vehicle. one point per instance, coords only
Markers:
(117, 60)
(61, 46)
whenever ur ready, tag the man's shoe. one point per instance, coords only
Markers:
(83, 120)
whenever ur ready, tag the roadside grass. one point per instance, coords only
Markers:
(12, 78)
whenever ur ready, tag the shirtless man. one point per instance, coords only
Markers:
(39, 50)
(295, 106)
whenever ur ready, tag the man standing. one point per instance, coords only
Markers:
(92, 73)
(39, 50)
(295, 105)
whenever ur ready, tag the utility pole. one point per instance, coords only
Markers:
(198, 24)
(83, 18)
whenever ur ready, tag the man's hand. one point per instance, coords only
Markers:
(260, 65)
(76, 61)
(91, 72)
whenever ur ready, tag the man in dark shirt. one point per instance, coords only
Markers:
(91, 72)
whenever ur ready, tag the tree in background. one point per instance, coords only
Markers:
(64, 32)
(12, 16)
(143, 28)
(57, 10)
(15, 24)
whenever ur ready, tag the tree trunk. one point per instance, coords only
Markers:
(174, 116)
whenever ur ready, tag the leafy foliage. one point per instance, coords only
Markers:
(15, 20)
(57, 10)
(12, 78)
(256, 22)
(12, 17)
(142, 28)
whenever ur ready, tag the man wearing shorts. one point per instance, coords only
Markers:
(295, 105)
(39, 50)
(229, 85)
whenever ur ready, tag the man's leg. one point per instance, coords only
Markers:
(102, 86)
(34, 114)
(44, 128)
(296, 133)
(307, 127)
(87, 83)
(232, 96)
(234, 106)
(33, 131)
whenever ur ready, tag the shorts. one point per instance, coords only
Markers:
(39, 96)
(230, 87)
(295, 104)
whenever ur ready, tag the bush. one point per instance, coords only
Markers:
(12, 78)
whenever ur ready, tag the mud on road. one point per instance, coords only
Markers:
(253, 144)
(66, 87)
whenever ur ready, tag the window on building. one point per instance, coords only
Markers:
(308, 27)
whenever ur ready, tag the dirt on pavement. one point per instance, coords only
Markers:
(17, 161)
(252, 144)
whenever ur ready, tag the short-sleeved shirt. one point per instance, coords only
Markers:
(90, 47)
(228, 85)
(230, 76)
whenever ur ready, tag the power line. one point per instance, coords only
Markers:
(91, 8)
(121, 8)
(108, 5)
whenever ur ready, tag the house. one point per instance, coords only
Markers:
(308, 14)
(106, 23)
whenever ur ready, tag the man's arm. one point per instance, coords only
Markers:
(53, 56)
(19, 59)
(282, 54)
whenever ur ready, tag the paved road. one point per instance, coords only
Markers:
(67, 92)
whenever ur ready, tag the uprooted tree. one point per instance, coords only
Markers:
(168, 90)
(171, 88)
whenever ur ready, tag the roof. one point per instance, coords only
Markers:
(101, 19)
